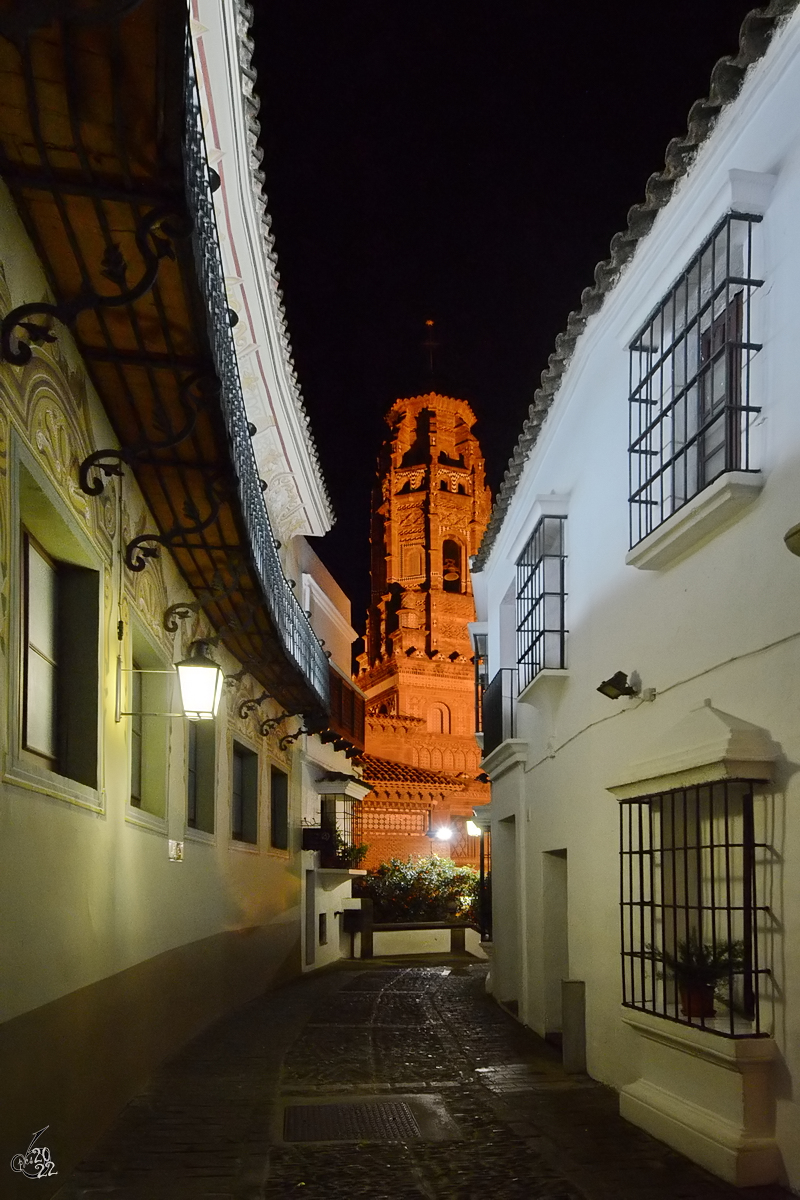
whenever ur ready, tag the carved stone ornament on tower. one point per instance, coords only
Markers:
(430, 507)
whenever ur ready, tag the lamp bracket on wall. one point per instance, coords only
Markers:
(154, 236)
(119, 712)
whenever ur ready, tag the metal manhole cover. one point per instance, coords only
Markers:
(386, 1121)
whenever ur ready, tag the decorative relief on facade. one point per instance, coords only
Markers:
(410, 524)
(147, 589)
(53, 440)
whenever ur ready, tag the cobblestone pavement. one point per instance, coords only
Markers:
(209, 1126)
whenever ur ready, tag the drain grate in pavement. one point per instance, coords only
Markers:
(386, 1121)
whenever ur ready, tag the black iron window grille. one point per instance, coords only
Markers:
(541, 597)
(690, 413)
(500, 709)
(341, 821)
(692, 930)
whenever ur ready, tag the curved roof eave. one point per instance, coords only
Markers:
(297, 445)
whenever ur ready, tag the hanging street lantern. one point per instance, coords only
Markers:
(200, 680)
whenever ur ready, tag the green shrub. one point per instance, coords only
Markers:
(421, 889)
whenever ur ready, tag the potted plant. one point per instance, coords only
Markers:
(348, 854)
(698, 967)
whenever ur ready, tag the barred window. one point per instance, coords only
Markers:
(692, 931)
(690, 410)
(541, 595)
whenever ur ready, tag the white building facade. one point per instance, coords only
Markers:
(152, 870)
(644, 837)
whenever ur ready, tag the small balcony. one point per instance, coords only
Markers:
(345, 721)
(500, 710)
(290, 623)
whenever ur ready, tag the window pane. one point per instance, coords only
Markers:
(244, 795)
(42, 585)
(191, 774)
(136, 736)
(279, 809)
(41, 679)
(40, 685)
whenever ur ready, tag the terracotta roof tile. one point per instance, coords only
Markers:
(383, 770)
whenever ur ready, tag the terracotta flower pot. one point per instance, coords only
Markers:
(697, 999)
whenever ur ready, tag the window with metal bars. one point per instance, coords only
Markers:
(541, 596)
(692, 930)
(690, 413)
(340, 818)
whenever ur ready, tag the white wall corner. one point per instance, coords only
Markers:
(749, 191)
(551, 504)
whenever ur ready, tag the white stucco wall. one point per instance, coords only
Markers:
(720, 622)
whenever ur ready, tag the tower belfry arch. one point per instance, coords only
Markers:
(430, 507)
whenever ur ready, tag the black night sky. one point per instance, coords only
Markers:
(465, 160)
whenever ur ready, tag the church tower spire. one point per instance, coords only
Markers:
(429, 510)
(430, 507)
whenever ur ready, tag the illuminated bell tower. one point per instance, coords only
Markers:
(430, 508)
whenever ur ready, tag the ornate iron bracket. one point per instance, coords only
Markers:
(109, 462)
(154, 236)
(288, 738)
(250, 706)
(269, 723)
(179, 612)
(217, 591)
(272, 723)
(147, 545)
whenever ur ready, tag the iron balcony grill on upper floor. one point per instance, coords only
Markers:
(541, 601)
(298, 638)
(691, 418)
(499, 709)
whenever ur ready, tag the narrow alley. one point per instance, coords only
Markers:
(461, 1102)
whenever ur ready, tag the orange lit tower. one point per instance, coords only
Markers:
(430, 507)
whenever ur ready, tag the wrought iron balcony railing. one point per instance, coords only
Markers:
(499, 709)
(298, 639)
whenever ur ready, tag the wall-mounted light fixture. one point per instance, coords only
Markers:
(441, 833)
(792, 539)
(617, 686)
(621, 684)
(200, 680)
(473, 830)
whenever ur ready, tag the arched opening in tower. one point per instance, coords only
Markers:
(452, 572)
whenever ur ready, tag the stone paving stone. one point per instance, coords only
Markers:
(208, 1127)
